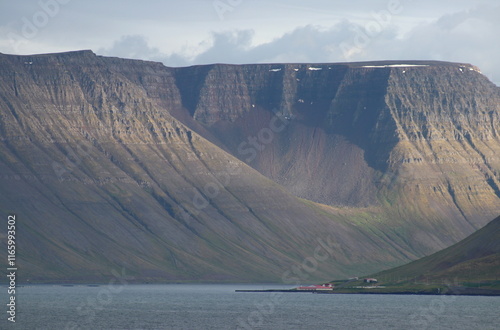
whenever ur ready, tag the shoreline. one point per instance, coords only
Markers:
(450, 291)
(460, 292)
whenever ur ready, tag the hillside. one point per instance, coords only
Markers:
(470, 267)
(114, 164)
(475, 259)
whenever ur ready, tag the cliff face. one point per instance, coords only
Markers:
(415, 134)
(115, 163)
(448, 140)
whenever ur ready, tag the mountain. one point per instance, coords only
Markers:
(416, 140)
(241, 173)
(426, 130)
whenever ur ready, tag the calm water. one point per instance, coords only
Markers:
(219, 307)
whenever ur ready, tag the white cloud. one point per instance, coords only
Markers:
(190, 32)
(137, 47)
(466, 36)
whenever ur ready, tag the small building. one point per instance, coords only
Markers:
(370, 280)
(322, 287)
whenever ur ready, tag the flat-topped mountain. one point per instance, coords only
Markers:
(242, 172)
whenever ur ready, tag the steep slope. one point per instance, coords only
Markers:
(418, 139)
(474, 259)
(103, 179)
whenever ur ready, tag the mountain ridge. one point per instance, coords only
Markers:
(132, 173)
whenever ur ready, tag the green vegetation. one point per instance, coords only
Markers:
(471, 266)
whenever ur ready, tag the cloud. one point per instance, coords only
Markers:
(137, 47)
(465, 36)
(132, 47)
(468, 36)
(230, 47)
(303, 44)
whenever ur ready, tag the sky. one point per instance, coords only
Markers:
(191, 32)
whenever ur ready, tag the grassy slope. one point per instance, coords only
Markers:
(479, 249)
(472, 263)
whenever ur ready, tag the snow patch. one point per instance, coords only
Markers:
(473, 69)
(275, 70)
(315, 69)
(393, 66)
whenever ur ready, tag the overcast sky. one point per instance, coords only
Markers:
(187, 32)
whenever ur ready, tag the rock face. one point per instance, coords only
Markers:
(419, 136)
(113, 163)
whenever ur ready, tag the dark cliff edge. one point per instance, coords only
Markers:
(115, 164)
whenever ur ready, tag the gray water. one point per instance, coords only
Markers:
(220, 307)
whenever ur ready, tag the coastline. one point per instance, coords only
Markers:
(457, 291)
(436, 291)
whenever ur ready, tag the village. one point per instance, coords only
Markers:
(371, 284)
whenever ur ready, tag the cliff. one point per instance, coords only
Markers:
(419, 136)
(113, 163)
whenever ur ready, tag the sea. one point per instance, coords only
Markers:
(202, 306)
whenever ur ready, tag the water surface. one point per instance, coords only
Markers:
(220, 307)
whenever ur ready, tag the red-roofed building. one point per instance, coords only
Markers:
(323, 287)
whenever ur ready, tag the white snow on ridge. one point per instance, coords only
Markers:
(393, 66)
(473, 69)
(461, 68)
(275, 70)
(315, 69)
